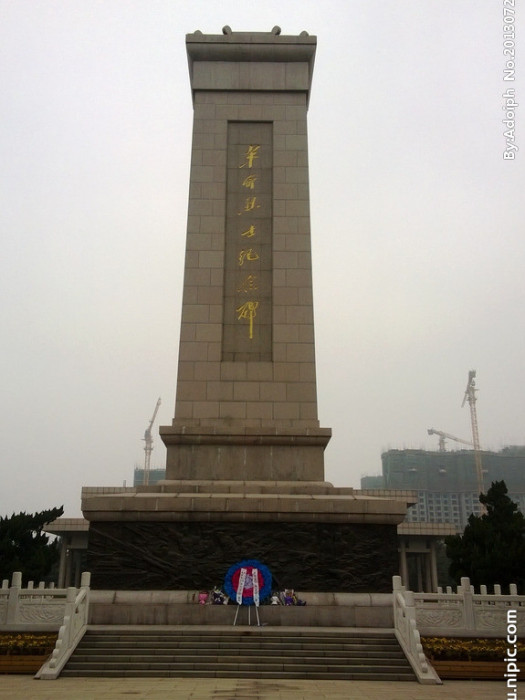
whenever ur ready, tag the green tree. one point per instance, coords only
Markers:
(25, 547)
(492, 547)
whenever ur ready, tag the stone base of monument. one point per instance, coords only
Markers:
(181, 535)
(373, 610)
(273, 454)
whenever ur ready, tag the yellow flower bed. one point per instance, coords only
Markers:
(24, 643)
(464, 649)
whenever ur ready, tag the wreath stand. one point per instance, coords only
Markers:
(239, 605)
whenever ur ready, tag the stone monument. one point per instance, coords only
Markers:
(245, 451)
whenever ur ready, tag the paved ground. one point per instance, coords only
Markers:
(26, 688)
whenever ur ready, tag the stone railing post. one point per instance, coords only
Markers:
(397, 583)
(69, 611)
(467, 596)
(14, 597)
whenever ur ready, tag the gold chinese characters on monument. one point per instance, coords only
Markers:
(248, 250)
(248, 310)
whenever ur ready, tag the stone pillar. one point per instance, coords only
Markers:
(419, 570)
(246, 402)
(64, 539)
(433, 566)
(428, 573)
(403, 564)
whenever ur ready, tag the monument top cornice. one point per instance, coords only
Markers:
(251, 61)
(251, 46)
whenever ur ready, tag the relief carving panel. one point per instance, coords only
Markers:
(41, 613)
(307, 556)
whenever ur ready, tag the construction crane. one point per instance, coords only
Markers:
(148, 447)
(443, 436)
(470, 396)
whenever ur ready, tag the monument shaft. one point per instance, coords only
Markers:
(246, 404)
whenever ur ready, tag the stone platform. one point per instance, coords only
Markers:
(363, 610)
(186, 534)
(193, 500)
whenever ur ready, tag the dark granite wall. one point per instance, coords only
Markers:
(181, 555)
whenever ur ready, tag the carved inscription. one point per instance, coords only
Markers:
(248, 249)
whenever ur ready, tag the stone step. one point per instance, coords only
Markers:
(259, 675)
(143, 636)
(229, 658)
(240, 650)
(239, 654)
(321, 652)
(244, 645)
(237, 643)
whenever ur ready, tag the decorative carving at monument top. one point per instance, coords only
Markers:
(229, 35)
(276, 30)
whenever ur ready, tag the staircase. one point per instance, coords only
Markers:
(259, 652)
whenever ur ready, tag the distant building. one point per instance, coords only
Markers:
(155, 475)
(372, 482)
(446, 482)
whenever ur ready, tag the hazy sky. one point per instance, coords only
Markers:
(417, 228)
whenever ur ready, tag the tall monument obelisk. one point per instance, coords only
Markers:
(245, 452)
(246, 406)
